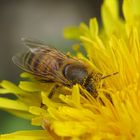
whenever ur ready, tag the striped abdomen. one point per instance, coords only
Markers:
(41, 60)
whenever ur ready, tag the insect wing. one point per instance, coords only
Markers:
(37, 50)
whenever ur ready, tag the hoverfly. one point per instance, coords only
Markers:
(51, 65)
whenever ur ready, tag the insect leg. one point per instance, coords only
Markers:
(53, 91)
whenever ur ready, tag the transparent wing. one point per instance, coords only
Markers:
(40, 49)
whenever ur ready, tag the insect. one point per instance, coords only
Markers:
(51, 65)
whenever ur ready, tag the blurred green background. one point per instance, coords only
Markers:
(39, 19)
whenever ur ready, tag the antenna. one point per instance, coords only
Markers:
(109, 75)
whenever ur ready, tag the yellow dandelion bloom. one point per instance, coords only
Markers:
(70, 115)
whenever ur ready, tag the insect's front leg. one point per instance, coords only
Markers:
(53, 91)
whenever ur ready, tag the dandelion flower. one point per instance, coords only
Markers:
(70, 115)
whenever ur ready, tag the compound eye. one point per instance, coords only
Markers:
(76, 73)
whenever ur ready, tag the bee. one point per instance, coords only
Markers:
(51, 65)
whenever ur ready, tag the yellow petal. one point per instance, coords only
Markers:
(76, 96)
(48, 102)
(131, 10)
(11, 87)
(72, 33)
(27, 135)
(21, 114)
(110, 17)
(36, 110)
(13, 104)
(35, 86)
(73, 128)
(93, 25)
(68, 128)
(27, 75)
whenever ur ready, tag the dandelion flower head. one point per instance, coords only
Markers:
(70, 115)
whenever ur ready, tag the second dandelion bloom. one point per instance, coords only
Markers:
(70, 115)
